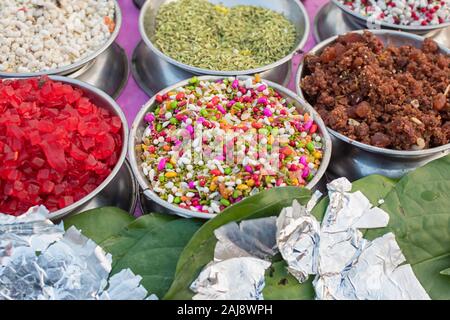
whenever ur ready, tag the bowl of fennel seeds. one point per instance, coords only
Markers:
(231, 37)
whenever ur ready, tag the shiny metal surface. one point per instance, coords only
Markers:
(80, 63)
(101, 99)
(292, 9)
(363, 23)
(331, 21)
(154, 74)
(108, 72)
(153, 203)
(139, 3)
(353, 159)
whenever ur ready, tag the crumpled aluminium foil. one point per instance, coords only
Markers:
(298, 237)
(347, 265)
(239, 278)
(42, 262)
(240, 260)
(251, 238)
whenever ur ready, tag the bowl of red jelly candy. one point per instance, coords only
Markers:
(62, 142)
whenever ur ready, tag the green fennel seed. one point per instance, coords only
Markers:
(215, 37)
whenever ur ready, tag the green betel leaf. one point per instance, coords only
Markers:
(281, 285)
(100, 224)
(200, 250)
(150, 246)
(419, 210)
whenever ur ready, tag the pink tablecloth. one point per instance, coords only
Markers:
(132, 98)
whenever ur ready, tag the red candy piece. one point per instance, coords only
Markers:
(56, 146)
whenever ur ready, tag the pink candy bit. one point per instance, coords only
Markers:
(303, 160)
(305, 173)
(263, 100)
(248, 169)
(235, 84)
(267, 112)
(261, 88)
(191, 185)
(221, 109)
(201, 120)
(308, 125)
(149, 117)
(190, 129)
(231, 103)
(162, 164)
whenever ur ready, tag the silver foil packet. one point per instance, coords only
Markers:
(41, 261)
(239, 278)
(298, 234)
(251, 238)
(240, 261)
(346, 265)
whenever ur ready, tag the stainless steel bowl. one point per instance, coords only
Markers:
(77, 65)
(292, 9)
(102, 100)
(354, 159)
(156, 204)
(362, 22)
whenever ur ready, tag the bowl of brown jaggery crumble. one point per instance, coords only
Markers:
(384, 96)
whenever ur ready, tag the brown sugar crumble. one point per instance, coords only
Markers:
(385, 96)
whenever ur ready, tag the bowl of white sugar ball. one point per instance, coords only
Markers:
(414, 16)
(54, 37)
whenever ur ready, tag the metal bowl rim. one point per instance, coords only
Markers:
(399, 153)
(149, 194)
(198, 70)
(61, 213)
(408, 28)
(78, 63)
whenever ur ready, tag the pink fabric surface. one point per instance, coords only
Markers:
(132, 98)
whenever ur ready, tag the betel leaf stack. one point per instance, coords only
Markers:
(419, 210)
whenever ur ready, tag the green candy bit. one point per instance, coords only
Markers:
(310, 146)
(169, 166)
(190, 88)
(309, 177)
(269, 147)
(193, 80)
(177, 200)
(203, 112)
(227, 170)
(173, 121)
(173, 104)
(235, 194)
(214, 118)
(158, 127)
(275, 131)
(225, 202)
(161, 178)
(263, 131)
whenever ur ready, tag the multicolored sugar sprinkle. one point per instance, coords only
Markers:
(210, 144)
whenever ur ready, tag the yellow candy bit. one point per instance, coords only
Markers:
(170, 174)
(221, 9)
(242, 187)
(257, 78)
(317, 155)
(213, 187)
(271, 139)
(250, 182)
(295, 181)
(172, 161)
